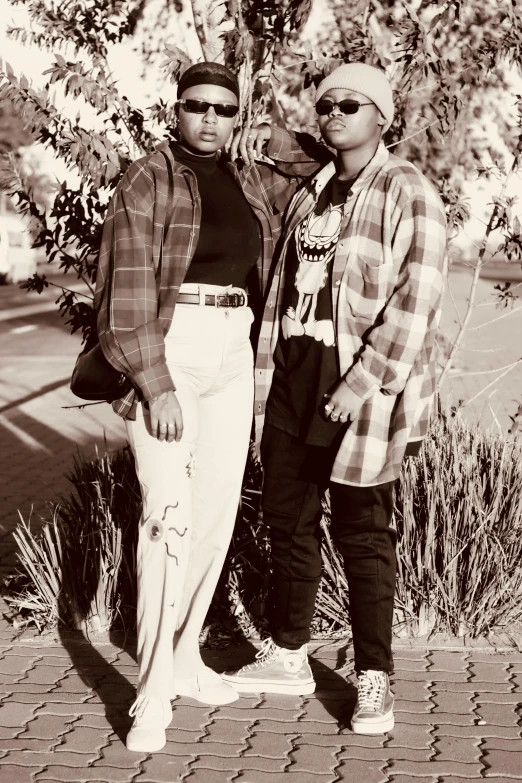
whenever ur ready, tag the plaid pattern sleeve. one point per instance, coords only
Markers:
(129, 328)
(297, 153)
(270, 184)
(418, 252)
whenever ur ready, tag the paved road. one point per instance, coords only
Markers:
(39, 435)
(486, 349)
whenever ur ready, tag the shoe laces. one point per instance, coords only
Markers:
(140, 707)
(208, 676)
(370, 689)
(266, 653)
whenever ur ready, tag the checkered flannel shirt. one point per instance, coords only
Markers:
(134, 308)
(387, 284)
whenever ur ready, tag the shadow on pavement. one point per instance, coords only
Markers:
(336, 694)
(114, 691)
(33, 395)
(33, 460)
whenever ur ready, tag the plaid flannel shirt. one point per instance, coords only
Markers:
(134, 304)
(387, 284)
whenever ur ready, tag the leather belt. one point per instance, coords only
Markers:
(214, 300)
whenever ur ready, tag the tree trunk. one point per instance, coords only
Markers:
(210, 18)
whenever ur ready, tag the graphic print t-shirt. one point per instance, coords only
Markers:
(306, 364)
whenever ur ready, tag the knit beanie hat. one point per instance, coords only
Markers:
(364, 79)
(208, 73)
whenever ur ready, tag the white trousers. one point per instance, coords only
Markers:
(190, 489)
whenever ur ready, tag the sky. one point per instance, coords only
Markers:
(33, 62)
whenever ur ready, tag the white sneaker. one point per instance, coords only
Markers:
(151, 718)
(206, 686)
(275, 670)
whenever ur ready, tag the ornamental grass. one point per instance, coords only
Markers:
(458, 515)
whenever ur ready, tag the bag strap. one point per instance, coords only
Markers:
(169, 208)
(169, 211)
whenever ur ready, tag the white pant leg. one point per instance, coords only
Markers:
(163, 540)
(210, 359)
(225, 425)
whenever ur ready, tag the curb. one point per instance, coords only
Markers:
(30, 637)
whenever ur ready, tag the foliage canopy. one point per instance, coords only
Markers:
(448, 60)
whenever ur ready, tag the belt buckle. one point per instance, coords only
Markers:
(230, 300)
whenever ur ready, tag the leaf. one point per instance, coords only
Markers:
(244, 45)
(176, 54)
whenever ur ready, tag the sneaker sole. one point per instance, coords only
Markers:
(213, 702)
(299, 689)
(137, 747)
(144, 747)
(382, 727)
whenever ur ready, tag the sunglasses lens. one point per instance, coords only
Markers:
(226, 110)
(201, 107)
(324, 107)
(196, 107)
(349, 106)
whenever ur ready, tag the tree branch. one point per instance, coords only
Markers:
(421, 130)
(495, 380)
(476, 275)
(494, 320)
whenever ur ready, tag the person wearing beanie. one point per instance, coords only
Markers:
(345, 382)
(187, 242)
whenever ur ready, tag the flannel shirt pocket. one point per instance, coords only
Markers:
(367, 287)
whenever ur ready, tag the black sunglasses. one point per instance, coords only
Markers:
(347, 106)
(201, 107)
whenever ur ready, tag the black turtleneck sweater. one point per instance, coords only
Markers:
(229, 240)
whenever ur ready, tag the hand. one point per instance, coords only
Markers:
(343, 405)
(249, 142)
(166, 420)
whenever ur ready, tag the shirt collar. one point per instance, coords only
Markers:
(318, 182)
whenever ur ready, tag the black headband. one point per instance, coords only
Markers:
(208, 73)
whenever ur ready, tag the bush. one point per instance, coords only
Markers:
(458, 514)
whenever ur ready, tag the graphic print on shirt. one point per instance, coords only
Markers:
(315, 241)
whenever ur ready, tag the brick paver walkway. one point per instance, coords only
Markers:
(64, 700)
(63, 717)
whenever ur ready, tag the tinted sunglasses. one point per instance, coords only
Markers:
(347, 106)
(201, 107)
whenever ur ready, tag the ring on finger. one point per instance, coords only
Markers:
(164, 426)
